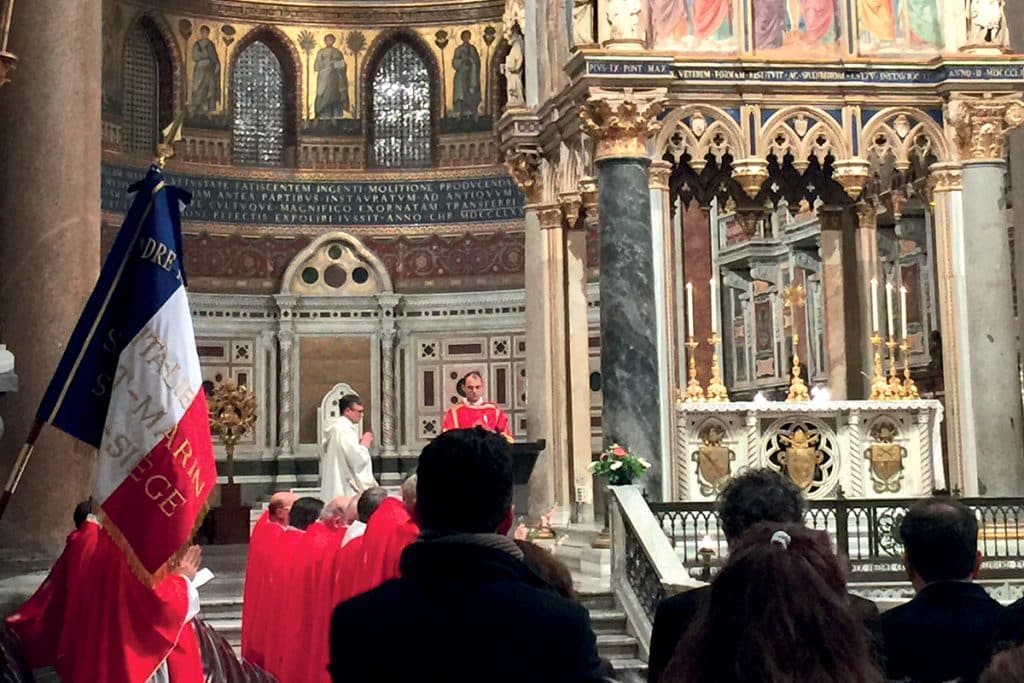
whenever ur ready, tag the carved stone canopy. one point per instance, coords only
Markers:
(622, 121)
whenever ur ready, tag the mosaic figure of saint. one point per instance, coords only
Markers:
(769, 23)
(331, 81)
(466, 90)
(205, 74)
(877, 19)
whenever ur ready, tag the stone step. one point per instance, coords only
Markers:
(231, 629)
(595, 600)
(608, 621)
(221, 608)
(630, 670)
(617, 646)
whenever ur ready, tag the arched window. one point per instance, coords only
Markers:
(146, 87)
(259, 111)
(402, 135)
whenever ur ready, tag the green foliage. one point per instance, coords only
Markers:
(619, 465)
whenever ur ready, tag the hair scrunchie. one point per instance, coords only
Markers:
(781, 538)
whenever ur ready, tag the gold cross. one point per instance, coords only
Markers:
(794, 296)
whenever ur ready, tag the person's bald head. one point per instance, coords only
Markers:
(281, 506)
(333, 515)
(369, 501)
(409, 494)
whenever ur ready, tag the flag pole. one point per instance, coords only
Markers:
(19, 465)
(164, 151)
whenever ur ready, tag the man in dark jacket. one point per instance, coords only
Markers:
(466, 609)
(758, 495)
(948, 631)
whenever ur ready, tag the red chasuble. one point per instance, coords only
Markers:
(487, 415)
(317, 582)
(347, 563)
(255, 623)
(120, 629)
(281, 600)
(387, 534)
(297, 622)
(39, 621)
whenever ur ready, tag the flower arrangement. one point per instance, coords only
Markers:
(619, 465)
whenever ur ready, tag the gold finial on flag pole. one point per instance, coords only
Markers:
(172, 133)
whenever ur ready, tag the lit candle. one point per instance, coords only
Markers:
(874, 305)
(689, 308)
(889, 310)
(903, 312)
(714, 307)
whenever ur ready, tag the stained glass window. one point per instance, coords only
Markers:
(401, 110)
(140, 93)
(258, 83)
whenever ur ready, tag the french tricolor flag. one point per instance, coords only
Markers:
(129, 384)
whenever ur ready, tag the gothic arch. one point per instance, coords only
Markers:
(378, 48)
(168, 59)
(803, 132)
(291, 69)
(700, 130)
(343, 252)
(904, 140)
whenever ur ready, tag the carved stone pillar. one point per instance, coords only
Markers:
(868, 267)
(621, 123)
(387, 391)
(983, 336)
(839, 285)
(286, 394)
(663, 248)
(50, 133)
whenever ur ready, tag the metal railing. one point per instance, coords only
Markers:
(865, 531)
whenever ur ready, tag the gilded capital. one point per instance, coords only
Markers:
(661, 171)
(524, 167)
(621, 121)
(867, 216)
(571, 203)
(550, 216)
(979, 125)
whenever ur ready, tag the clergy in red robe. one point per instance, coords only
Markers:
(316, 557)
(256, 621)
(348, 560)
(474, 410)
(40, 620)
(387, 534)
(285, 591)
(126, 631)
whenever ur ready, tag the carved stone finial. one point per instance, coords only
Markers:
(852, 174)
(750, 174)
(524, 167)
(979, 125)
(622, 121)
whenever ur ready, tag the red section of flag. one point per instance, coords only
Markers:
(158, 505)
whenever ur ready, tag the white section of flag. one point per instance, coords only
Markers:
(157, 377)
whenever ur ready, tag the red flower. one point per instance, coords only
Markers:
(619, 452)
(604, 456)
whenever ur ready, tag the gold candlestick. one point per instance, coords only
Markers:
(793, 297)
(694, 391)
(910, 391)
(717, 393)
(879, 387)
(895, 388)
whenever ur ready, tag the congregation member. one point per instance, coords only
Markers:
(348, 559)
(260, 582)
(39, 621)
(465, 593)
(360, 509)
(474, 411)
(949, 630)
(346, 468)
(777, 611)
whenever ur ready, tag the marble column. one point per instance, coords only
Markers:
(286, 394)
(985, 335)
(632, 405)
(387, 391)
(839, 286)
(49, 244)
(663, 249)
(868, 267)
(576, 338)
(947, 200)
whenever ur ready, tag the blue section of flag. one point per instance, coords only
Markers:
(140, 274)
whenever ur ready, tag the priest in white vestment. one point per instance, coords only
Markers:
(346, 469)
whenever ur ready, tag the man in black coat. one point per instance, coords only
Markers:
(757, 495)
(950, 628)
(466, 609)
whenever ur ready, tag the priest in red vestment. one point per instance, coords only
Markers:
(284, 593)
(388, 532)
(256, 623)
(348, 560)
(311, 615)
(40, 620)
(125, 631)
(474, 410)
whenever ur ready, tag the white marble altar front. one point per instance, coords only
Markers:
(868, 449)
